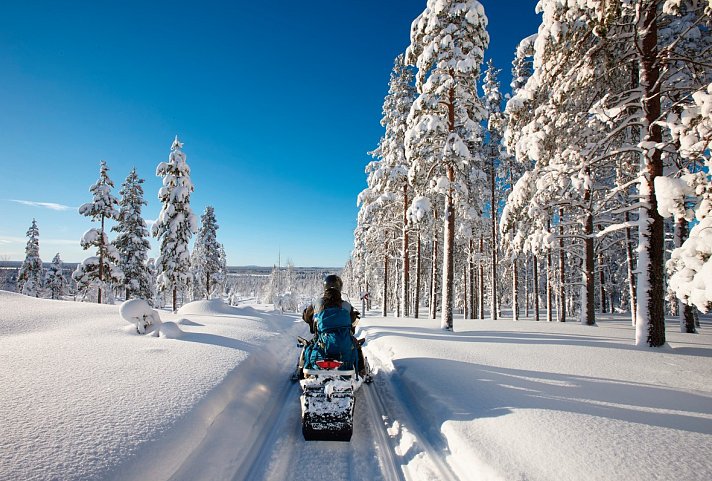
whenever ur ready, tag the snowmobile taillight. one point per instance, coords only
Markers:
(328, 364)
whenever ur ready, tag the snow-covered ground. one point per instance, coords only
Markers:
(83, 397)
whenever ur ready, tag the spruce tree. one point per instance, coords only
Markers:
(176, 223)
(55, 282)
(131, 240)
(207, 259)
(29, 277)
(100, 271)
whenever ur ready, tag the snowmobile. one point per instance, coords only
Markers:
(327, 399)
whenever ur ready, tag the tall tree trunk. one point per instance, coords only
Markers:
(650, 322)
(526, 287)
(405, 253)
(102, 247)
(562, 269)
(473, 287)
(175, 298)
(448, 255)
(466, 286)
(588, 299)
(536, 288)
(686, 312)
(515, 291)
(493, 212)
(416, 300)
(395, 292)
(449, 233)
(602, 283)
(482, 278)
(207, 286)
(384, 308)
(549, 276)
(434, 278)
(631, 270)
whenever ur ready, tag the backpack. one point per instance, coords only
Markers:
(333, 338)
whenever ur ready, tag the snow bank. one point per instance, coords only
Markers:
(83, 400)
(542, 401)
(209, 307)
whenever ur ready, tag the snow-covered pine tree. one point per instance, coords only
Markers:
(576, 149)
(495, 128)
(270, 291)
(690, 264)
(207, 260)
(151, 272)
(393, 165)
(29, 277)
(447, 44)
(377, 224)
(131, 240)
(55, 282)
(100, 271)
(176, 223)
(669, 55)
(522, 70)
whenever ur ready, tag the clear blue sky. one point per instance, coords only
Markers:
(277, 104)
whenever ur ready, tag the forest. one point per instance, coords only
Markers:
(584, 188)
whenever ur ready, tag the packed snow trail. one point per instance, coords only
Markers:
(380, 449)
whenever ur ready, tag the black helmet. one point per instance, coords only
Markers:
(333, 281)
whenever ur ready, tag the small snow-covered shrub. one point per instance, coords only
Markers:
(140, 313)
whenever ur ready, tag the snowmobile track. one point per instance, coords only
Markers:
(259, 456)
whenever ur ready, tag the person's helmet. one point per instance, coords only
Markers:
(333, 281)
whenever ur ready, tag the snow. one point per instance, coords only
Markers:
(85, 397)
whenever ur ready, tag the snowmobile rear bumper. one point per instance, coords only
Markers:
(327, 405)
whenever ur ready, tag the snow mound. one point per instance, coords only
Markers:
(209, 307)
(169, 330)
(140, 313)
(188, 322)
(20, 314)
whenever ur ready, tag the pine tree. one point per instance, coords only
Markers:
(207, 260)
(99, 271)
(393, 165)
(176, 223)
(691, 262)
(131, 240)
(55, 281)
(495, 128)
(392, 170)
(447, 45)
(29, 277)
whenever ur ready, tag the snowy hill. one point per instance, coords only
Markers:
(84, 397)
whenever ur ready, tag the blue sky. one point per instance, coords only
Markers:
(277, 104)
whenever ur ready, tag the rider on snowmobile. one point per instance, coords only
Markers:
(332, 299)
